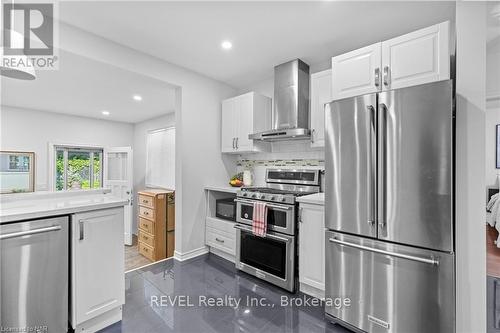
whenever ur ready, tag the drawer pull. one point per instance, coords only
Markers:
(144, 201)
(219, 240)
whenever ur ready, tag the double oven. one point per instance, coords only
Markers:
(272, 258)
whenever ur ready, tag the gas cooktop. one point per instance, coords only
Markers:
(283, 186)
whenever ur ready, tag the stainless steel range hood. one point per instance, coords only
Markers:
(291, 103)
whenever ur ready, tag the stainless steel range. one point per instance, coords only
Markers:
(273, 257)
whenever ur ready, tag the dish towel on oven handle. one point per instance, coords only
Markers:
(259, 220)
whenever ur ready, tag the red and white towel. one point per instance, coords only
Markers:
(259, 221)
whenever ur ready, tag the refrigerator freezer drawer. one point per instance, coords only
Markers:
(392, 288)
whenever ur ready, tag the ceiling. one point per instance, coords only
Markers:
(493, 23)
(263, 34)
(85, 87)
(189, 34)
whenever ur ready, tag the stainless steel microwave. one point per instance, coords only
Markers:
(225, 209)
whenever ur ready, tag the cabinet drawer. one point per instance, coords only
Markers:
(220, 241)
(217, 224)
(147, 201)
(146, 250)
(146, 238)
(147, 213)
(147, 225)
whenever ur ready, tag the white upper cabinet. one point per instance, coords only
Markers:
(321, 93)
(419, 57)
(416, 58)
(356, 72)
(229, 127)
(241, 116)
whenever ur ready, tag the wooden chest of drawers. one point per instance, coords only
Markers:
(156, 222)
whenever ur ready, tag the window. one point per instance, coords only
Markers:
(78, 168)
(160, 160)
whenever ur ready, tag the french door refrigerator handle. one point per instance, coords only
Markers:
(432, 260)
(382, 138)
(372, 158)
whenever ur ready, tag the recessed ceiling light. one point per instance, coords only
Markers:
(105, 113)
(226, 45)
(137, 97)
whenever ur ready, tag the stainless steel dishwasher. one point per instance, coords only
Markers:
(34, 275)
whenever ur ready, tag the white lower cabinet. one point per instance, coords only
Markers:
(97, 269)
(220, 235)
(312, 249)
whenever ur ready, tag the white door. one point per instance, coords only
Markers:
(97, 265)
(312, 246)
(118, 178)
(416, 58)
(245, 122)
(357, 72)
(321, 93)
(228, 137)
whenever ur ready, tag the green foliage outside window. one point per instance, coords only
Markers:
(78, 170)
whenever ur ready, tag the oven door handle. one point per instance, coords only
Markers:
(250, 202)
(241, 227)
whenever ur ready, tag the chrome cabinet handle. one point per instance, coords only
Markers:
(432, 260)
(300, 214)
(80, 226)
(30, 232)
(237, 143)
(372, 158)
(233, 144)
(312, 135)
(219, 240)
(377, 77)
(387, 76)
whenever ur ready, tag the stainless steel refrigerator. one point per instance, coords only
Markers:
(389, 210)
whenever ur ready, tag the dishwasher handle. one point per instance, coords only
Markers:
(432, 260)
(30, 232)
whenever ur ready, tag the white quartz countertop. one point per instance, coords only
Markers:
(222, 188)
(25, 206)
(316, 199)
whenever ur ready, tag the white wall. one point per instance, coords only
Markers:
(32, 130)
(197, 119)
(492, 108)
(470, 165)
(140, 137)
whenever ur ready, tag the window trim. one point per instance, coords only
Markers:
(53, 148)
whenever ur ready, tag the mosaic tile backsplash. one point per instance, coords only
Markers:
(250, 164)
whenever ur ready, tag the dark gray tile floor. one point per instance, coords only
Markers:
(493, 308)
(214, 278)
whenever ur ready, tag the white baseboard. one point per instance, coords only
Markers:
(222, 254)
(190, 254)
(312, 291)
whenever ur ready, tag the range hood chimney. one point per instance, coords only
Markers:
(291, 103)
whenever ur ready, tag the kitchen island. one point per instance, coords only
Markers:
(73, 242)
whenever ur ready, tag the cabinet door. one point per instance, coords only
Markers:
(97, 268)
(228, 125)
(321, 93)
(416, 58)
(245, 107)
(356, 72)
(312, 246)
